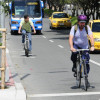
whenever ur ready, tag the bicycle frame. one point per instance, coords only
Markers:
(82, 70)
(26, 45)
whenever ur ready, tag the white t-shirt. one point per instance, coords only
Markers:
(80, 37)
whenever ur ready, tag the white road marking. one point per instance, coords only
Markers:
(51, 40)
(94, 62)
(64, 94)
(44, 36)
(60, 46)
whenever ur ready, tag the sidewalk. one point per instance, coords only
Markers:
(14, 90)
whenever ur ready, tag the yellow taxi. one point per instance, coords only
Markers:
(59, 19)
(95, 27)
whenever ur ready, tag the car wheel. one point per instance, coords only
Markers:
(38, 32)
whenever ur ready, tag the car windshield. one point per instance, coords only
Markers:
(60, 15)
(31, 9)
(96, 27)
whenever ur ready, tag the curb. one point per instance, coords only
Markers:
(16, 91)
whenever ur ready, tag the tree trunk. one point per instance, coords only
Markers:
(55, 8)
(60, 8)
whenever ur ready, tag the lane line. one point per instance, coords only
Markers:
(51, 40)
(94, 62)
(63, 94)
(60, 46)
(44, 36)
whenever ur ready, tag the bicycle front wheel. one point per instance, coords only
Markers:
(85, 76)
(78, 74)
(27, 49)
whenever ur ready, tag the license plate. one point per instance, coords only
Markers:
(61, 24)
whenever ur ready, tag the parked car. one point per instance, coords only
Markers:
(95, 27)
(60, 19)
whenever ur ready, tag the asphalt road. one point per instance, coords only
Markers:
(46, 74)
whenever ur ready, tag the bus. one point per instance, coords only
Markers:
(19, 8)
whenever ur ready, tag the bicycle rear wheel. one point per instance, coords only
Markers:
(85, 80)
(78, 73)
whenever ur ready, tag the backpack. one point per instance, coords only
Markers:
(76, 27)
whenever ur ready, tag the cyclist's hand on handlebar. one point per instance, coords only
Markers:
(92, 48)
(34, 32)
(73, 49)
(19, 32)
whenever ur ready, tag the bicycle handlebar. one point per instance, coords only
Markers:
(82, 49)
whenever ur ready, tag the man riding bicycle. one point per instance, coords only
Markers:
(25, 27)
(78, 40)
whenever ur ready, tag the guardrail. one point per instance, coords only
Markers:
(3, 57)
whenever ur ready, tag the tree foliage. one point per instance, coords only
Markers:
(89, 7)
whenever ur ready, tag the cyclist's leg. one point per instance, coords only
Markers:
(74, 59)
(87, 61)
(30, 41)
(23, 36)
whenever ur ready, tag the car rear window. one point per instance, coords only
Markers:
(96, 27)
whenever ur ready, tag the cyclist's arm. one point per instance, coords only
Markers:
(91, 39)
(90, 34)
(71, 43)
(71, 36)
(31, 23)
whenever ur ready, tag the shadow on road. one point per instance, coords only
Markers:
(82, 87)
(61, 38)
(58, 72)
(25, 76)
(30, 55)
(95, 52)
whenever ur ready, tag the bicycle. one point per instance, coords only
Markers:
(26, 45)
(81, 69)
